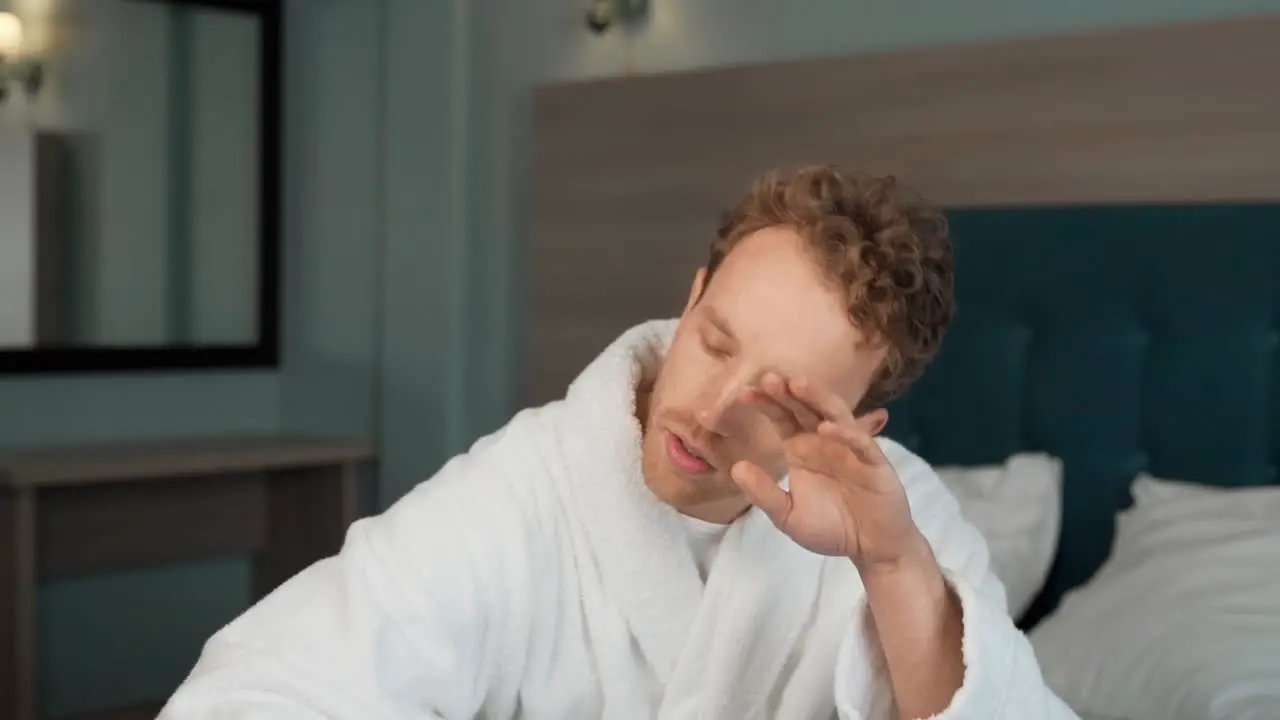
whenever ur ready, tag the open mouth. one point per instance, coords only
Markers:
(685, 458)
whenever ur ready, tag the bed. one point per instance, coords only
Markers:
(1115, 204)
(1120, 339)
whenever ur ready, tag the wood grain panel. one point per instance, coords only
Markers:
(137, 712)
(107, 527)
(308, 513)
(628, 176)
(17, 605)
(164, 460)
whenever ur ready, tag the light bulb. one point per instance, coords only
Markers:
(10, 35)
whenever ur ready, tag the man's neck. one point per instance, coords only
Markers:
(721, 512)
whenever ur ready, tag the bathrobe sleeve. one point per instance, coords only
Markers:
(1002, 679)
(422, 614)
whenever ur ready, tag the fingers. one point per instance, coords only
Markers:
(763, 492)
(797, 405)
(784, 421)
(826, 404)
(855, 437)
(777, 390)
(774, 400)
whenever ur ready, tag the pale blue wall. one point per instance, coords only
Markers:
(162, 101)
(118, 638)
(518, 44)
(405, 154)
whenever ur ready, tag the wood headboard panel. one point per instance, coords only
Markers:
(629, 175)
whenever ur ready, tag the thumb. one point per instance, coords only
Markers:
(763, 492)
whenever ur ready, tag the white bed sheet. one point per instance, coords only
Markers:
(1183, 621)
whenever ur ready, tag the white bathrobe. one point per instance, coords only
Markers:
(537, 577)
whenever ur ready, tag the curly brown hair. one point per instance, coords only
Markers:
(879, 243)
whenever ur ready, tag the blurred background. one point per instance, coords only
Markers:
(374, 295)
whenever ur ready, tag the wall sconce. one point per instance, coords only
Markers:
(601, 14)
(16, 69)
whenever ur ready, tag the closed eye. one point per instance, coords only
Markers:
(715, 350)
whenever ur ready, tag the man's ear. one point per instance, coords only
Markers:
(695, 291)
(873, 422)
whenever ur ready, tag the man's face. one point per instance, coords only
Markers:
(768, 308)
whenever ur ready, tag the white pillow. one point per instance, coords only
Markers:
(1183, 620)
(1018, 509)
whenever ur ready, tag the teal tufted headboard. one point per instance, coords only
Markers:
(1117, 338)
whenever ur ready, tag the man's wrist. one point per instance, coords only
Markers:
(919, 624)
(915, 564)
(912, 583)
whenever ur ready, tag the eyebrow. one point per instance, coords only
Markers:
(718, 321)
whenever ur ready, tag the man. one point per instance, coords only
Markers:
(704, 527)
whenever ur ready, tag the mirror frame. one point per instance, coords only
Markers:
(265, 352)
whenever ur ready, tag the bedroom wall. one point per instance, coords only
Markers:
(118, 638)
(17, 251)
(405, 149)
(516, 45)
(119, 76)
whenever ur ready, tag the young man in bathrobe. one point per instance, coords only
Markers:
(704, 527)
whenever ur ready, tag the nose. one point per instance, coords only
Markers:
(715, 417)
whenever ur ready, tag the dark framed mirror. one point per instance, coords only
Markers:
(140, 188)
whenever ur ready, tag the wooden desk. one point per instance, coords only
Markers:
(287, 501)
